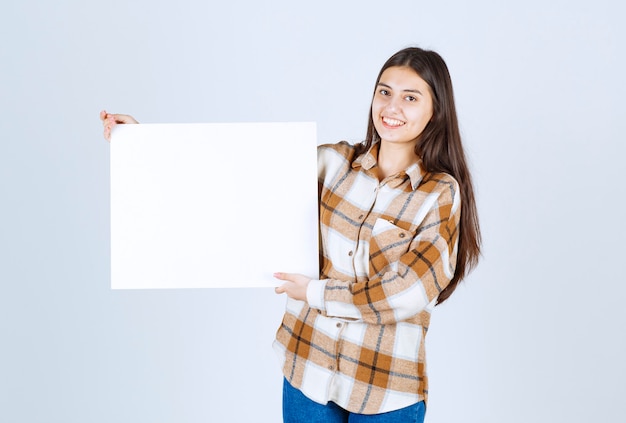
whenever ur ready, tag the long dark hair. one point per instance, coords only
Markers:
(440, 148)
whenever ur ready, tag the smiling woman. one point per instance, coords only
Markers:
(399, 230)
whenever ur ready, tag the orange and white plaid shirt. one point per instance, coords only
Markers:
(388, 248)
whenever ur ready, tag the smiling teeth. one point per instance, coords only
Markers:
(393, 122)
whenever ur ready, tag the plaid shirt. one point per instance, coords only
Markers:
(388, 249)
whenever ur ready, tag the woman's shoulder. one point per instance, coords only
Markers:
(342, 147)
(340, 150)
(332, 158)
(440, 178)
(443, 184)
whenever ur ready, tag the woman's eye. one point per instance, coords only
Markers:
(384, 92)
(410, 98)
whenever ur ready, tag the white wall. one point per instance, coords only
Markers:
(535, 334)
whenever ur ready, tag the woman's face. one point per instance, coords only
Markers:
(402, 105)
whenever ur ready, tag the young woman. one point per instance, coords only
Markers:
(399, 230)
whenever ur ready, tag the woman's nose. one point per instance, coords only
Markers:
(393, 104)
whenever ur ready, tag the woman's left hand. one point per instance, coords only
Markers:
(295, 285)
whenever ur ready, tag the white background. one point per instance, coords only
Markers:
(535, 334)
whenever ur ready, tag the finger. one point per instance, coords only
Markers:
(103, 115)
(291, 277)
(124, 119)
(107, 131)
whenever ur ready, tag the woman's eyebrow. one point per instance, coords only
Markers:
(408, 90)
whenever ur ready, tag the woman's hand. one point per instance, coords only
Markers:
(109, 120)
(295, 285)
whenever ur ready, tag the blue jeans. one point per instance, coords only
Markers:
(297, 408)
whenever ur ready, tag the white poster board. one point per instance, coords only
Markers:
(212, 205)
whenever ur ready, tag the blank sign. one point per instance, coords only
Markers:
(212, 205)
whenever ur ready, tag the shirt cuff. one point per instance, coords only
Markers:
(315, 294)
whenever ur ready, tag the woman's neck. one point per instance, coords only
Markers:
(394, 158)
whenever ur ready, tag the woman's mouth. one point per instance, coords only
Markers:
(393, 123)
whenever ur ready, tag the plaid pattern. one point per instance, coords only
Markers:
(388, 249)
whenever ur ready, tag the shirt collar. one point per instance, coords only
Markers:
(368, 160)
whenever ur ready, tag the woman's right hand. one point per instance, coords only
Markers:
(109, 120)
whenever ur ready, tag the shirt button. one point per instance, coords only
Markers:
(331, 367)
(338, 325)
(360, 217)
(402, 235)
(350, 253)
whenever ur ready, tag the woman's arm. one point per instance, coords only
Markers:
(401, 290)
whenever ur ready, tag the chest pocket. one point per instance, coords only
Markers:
(387, 244)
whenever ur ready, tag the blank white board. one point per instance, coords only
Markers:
(212, 205)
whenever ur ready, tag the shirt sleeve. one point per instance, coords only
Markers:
(403, 288)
